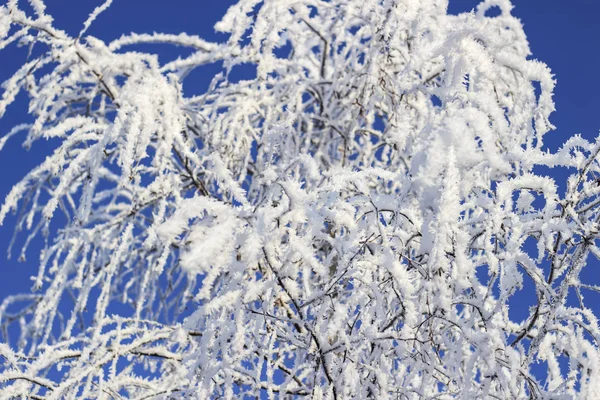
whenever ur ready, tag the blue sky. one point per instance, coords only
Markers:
(562, 34)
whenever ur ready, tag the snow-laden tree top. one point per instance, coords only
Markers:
(353, 222)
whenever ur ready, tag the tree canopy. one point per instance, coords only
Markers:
(354, 221)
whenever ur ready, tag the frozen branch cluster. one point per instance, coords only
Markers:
(354, 222)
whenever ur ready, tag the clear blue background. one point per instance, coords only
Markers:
(563, 34)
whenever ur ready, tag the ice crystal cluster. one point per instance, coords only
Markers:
(355, 221)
